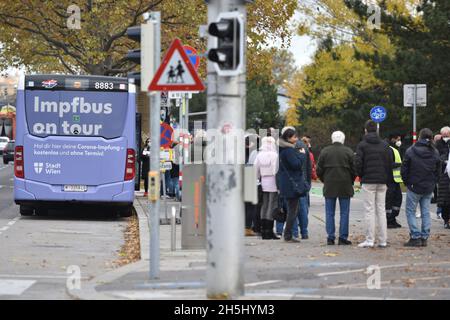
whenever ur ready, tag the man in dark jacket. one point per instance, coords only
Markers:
(443, 190)
(420, 172)
(336, 170)
(373, 162)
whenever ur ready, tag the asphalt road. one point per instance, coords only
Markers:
(39, 256)
(274, 269)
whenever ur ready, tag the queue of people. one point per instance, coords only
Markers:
(286, 168)
(286, 177)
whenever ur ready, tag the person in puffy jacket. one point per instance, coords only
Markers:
(420, 172)
(373, 163)
(266, 165)
(290, 179)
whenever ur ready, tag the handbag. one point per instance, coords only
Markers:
(299, 190)
(278, 213)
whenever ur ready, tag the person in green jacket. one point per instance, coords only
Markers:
(336, 170)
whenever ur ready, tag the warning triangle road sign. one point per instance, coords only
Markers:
(176, 72)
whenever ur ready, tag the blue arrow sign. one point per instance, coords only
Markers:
(378, 114)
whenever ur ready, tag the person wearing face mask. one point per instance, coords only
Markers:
(394, 192)
(443, 199)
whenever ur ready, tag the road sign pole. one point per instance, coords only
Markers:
(415, 115)
(224, 197)
(186, 121)
(155, 111)
(378, 128)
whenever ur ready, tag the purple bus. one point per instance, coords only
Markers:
(75, 143)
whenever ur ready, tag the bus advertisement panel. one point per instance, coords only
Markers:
(75, 142)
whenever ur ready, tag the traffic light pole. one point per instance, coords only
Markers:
(155, 109)
(224, 199)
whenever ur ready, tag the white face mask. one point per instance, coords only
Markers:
(446, 139)
(398, 144)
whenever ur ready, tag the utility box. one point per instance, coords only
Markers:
(250, 184)
(193, 207)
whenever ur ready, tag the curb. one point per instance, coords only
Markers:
(144, 230)
(89, 292)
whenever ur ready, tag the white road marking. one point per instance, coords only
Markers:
(37, 276)
(14, 287)
(140, 295)
(254, 284)
(343, 297)
(364, 284)
(9, 224)
(325, 274)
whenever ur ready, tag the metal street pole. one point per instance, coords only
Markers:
(186, 123)
(155, 109)
(224, 198)
(415, 115)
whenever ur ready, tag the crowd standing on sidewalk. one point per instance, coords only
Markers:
(285, 167)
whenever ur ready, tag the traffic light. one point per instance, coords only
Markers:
(228, 55)
(143, 56)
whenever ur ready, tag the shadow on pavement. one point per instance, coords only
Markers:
(79, 213)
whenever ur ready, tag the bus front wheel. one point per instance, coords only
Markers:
(26, 211)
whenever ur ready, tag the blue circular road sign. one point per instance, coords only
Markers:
(378, 114)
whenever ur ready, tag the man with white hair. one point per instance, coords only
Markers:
(443, 194)
(336, 170)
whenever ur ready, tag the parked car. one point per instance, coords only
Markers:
(3, 142)
(8, 152)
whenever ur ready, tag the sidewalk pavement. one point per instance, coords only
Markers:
(279, 270)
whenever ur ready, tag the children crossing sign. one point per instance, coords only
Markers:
(176, 72)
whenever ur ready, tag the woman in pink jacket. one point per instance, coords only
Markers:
(266, 164)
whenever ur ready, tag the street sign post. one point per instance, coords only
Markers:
(415, 95)
(378, 114)
(154, 174)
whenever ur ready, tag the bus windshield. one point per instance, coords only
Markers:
(75, 113)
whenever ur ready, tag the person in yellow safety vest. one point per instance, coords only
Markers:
(394, 192)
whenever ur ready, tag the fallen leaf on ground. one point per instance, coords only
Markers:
(331, 254)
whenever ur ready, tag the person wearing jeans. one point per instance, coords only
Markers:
(302, 218)
(335, 168)
(412, 201)
(330, 209)
(420, 172)
(373, 163)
